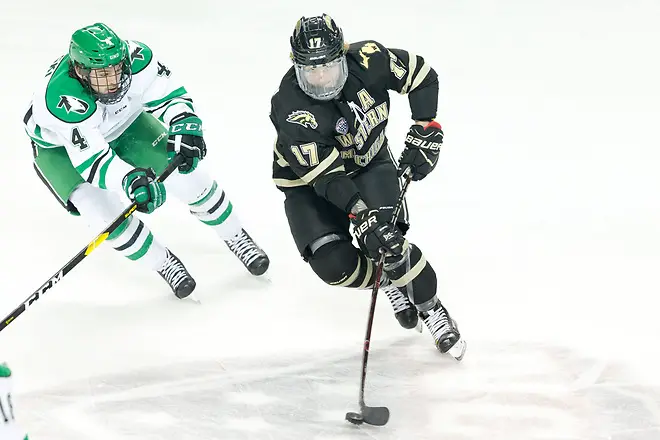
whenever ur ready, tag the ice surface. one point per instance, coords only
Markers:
(541, 221)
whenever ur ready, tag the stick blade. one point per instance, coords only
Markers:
(355, 418)
(375, 415)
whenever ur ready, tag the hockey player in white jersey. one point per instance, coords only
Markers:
(106, 120)
(9, 429)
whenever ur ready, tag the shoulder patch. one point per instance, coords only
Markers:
(140, 55)
(304, 118)
(364, 51)
(66, 98)
(72, 104)
(341, 126)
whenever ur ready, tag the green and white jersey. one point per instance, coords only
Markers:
(64, 114)
(9, 430)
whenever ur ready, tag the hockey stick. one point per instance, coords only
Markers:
(68, 267)
(375, 415)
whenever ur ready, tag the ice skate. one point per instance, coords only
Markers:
(404, 310)
(177, 276)
(253, 258)
(444, 330)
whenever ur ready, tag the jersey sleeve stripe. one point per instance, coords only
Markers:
(168, 102)
(420, 76)
(288, 183)
(42, 143)
(88, 163)
(174, 94)
(28, 115)
(412, 65)
(175, 108)
(281, 161)
(104, 170)
(95, 166)
(320, 168)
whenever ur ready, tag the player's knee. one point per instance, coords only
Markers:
(97, 206)
(414, 271)
(337, 262)
(195, 188)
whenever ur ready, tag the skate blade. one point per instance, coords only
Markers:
(458, 350)
(419, 327)
(192, 298)
(265, 278)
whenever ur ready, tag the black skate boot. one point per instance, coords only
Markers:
(443, 328)
(404, 311)
(253, 258)
(176, 275)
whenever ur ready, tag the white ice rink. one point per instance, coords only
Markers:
(542, 221)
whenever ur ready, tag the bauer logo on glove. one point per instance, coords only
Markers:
(375, 234)
(422, 143)
(422, 150)
(365, 224)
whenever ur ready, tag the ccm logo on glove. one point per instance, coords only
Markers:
(190, 126)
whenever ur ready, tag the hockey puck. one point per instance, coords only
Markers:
(354, 418)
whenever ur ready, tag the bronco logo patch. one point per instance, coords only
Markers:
(304, 118)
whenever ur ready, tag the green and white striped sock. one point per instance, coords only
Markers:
(134, 240)
(215, 209)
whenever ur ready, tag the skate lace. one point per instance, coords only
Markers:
(397, 298)
(438, 322)
(173, 271)
(244, 248)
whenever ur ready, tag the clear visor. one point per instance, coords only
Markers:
(324, 81)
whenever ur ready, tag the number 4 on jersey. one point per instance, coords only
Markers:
(78, 140)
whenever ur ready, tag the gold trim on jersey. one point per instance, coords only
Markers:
(321, 167)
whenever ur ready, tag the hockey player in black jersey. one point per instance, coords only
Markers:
(332, 161)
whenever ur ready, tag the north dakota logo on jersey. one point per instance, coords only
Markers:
(73, 104)
(304, 118)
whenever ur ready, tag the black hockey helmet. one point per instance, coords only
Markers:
(316, 40)
(317, 51)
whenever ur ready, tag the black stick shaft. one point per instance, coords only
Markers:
(374, 294)
(68, 267)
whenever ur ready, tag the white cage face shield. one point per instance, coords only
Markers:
(106, 80)
(324, 81)
(107, 84)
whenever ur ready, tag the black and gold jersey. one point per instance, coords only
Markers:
(322, 143)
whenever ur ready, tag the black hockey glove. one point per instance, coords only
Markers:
(186, 138)
(422, 150)
(373, 231)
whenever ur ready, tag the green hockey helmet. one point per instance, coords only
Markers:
(101, 61)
